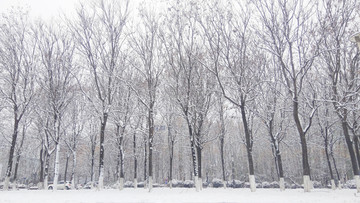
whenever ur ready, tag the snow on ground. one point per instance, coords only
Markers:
(179, 195)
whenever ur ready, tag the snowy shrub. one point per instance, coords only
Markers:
(317, 184)
(114, 186)
(177, 183)
(216, 183)
(205, 184)
(156, 185)
(246, 185)
(274, 185)
(129, 184)
(140, 184)
(188, 183)
(236, 184)
(294, 186)
(266, 184)
(351, 184)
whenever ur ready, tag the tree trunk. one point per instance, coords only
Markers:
(280, 167)
(145, 161)
(120, 133)
(248, 146)
(356, 144)
(171, 155)
(193, 154)
(102, 152)
(135, 161)
(305, 161)
(92, 174)
(18, 153)
(198, 152)
(335, 167)
(66, 166)
(11, 154)
(351, 151)
(73, 173)
(151, 137)
(222, 141)
(57, 166)
(41, 173)
(171, 162)
(46, 171)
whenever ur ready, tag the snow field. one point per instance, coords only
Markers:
(180, 195)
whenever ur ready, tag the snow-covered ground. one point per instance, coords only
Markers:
(180, 195)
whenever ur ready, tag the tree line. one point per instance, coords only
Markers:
(256, 90)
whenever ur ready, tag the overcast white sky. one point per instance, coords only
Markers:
(41, 8)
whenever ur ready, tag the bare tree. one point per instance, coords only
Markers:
(17, 61)
(75, 128)
(191, 84)
(57, 80)
(19, 148)
(272, 110)
(236, 62)
(122, 114)
(99, 32)
(289, 34)
(149, 68)
(342, 66)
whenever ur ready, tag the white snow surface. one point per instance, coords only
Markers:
(180, 195)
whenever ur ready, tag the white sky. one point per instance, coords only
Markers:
(45, 9)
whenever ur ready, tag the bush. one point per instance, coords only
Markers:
(266, 185)
(177, 183)
(274, 185)
(128, 184)
(189, 183)
(351, 184)
(294, 186)
(317, 184)
(216, 183)
(236, 184)
(140, 184)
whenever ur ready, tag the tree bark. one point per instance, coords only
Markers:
(145, 161)
(92, 174)
(305, 161)
(41, 173)
(151, 138)
(198, 152)
(135, 160)
(12, 150)
(350, 146)
(66, 166)
(73, 173)
(356, 144)
(171, 154)
(248, 139)
(102, 152)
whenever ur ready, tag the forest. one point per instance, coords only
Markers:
(193, 90)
